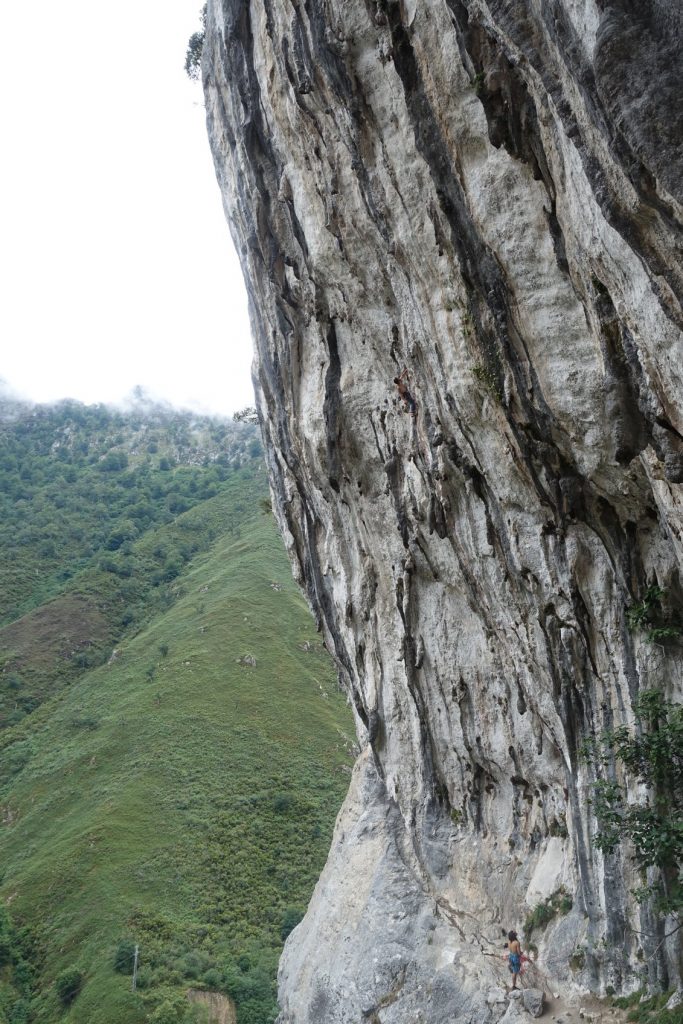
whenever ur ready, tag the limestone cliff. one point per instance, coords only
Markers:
(488, 194)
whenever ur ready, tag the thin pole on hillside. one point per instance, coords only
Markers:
(135, 967)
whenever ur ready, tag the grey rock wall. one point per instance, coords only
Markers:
(487, 194)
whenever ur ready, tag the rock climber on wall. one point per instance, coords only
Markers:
(404, 393)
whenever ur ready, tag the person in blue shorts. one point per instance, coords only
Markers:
(514, 957)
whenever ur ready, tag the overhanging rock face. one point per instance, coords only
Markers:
(487, 195)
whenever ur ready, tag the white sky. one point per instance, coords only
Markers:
(116, 263)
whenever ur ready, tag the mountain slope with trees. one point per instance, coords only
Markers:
(90, 500)
(176, 788)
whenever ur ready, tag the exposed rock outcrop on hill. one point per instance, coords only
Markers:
(489, 195)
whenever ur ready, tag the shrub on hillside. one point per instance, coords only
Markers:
(290, 920)
(282, 802)
(68, 984)
(193, 964)
(122, 532)
(256, 987)
(15, 757)
(169, 1012)
(124, 957)
(6, 944)
(113, 462)
(212, 978)
(145, 979)
(21, 1012)
(85, 722)
(175, 1010)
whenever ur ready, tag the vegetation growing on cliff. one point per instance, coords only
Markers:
(559, 903)
(649, 1010)
(650, 617)
(195, 46)
(652, 756)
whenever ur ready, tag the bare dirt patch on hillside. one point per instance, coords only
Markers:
(55, 632)
(221, 1009)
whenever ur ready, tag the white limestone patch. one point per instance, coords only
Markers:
(552, 871)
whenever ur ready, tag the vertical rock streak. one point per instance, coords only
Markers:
(487, 194)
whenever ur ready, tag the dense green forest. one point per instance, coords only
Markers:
(174, 749)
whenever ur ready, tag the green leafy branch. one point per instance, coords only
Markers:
(195, 46)
(653, 757)
(559, 903)
(648, 616)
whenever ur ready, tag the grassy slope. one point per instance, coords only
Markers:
(49, 646)
(181, 800)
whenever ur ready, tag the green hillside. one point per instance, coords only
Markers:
(181, 794)
(78, 481)
(94, 529)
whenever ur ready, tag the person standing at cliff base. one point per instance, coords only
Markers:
(514, 957)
